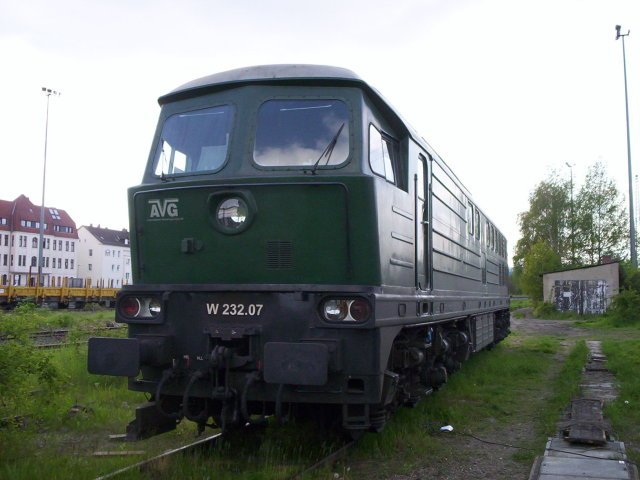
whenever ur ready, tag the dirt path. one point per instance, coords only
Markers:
(480, 460)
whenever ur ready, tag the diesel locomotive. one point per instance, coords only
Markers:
(298, 247)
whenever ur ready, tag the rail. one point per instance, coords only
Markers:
(63, 295)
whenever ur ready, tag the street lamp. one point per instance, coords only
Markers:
(632, 228)
(48, 92)
(573, 253)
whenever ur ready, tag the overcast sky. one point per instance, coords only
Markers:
(504, 90)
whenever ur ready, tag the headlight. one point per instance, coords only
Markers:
(336, 310)
(139, 307)
(232, 213)
(346, 310)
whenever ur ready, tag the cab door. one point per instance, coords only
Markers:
(423, 222)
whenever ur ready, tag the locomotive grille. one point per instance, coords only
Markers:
(279, 254)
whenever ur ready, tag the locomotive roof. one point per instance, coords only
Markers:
(292, 74)
(286, 73)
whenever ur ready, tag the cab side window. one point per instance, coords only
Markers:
(383, 155)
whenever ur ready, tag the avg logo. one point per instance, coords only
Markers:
(166, 209)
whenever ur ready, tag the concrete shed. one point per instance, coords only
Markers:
(582, 290)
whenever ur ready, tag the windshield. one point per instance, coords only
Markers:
(301, 133)
(194, 141)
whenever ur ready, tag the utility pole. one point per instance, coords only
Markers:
(632, 228)
(48, 92)
(573, 245)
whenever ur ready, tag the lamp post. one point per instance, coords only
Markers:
(573, 253)
(48, 92)
(632, 228)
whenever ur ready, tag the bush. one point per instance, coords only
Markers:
(625, 308)
(545, 310)
(632, 281)
(23, 367)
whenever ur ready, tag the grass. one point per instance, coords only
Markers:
(494, 388)
(623, 359)
(517, 303)
(519, 382)
(65, 426)
(27, 317)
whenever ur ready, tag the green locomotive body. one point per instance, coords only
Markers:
(296, 246)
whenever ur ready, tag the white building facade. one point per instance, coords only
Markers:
(104, 257)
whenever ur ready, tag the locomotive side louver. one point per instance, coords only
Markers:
(279, 255)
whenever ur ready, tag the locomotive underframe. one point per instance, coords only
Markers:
(234, 369)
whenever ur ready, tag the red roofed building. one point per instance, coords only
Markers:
(19, 243)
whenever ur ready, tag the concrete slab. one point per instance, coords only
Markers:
(572, 461)
(583, 468)
(558, 447)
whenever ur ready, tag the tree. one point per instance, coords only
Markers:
(547, 220)
(540, 258)
(601, 218)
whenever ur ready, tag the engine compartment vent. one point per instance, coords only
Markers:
(279, 254)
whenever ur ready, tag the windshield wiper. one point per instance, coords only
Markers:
(328, 150)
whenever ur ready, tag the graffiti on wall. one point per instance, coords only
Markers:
(580, 296)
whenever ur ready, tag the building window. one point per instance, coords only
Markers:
(66, 264)
(73, 246)
(90, 267)
(30, 224)
(71, 264)
(34, 260)
(54, 213)
(55, 245)
(91, 252)
(6, 240)
(34, 242)
(107, 253)
(66, 245)
(59, 263)
(5, 259)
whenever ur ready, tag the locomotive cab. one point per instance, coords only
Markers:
(283, 252)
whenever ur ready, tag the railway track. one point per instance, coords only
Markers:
(150, 462)
(58, 338)
(328, 460)
(212, 440)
